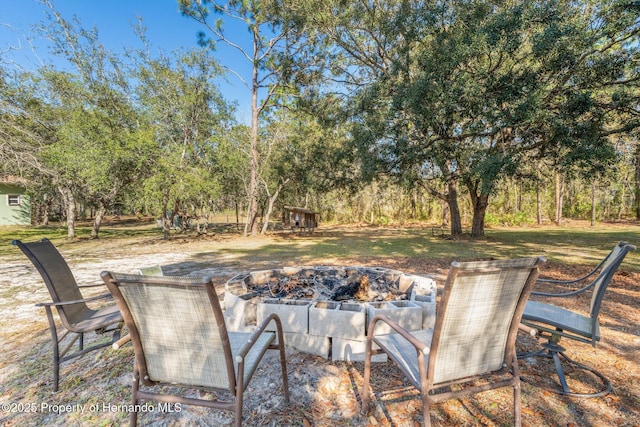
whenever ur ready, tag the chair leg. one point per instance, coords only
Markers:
(517, 402)
(238, 403)
(560, 370)
(365, 385)
(553, 350)
(133, 418)
(606, 384)
(426, 411)
(56, 348)
(285, 376)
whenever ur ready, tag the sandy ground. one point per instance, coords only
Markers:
(323, 393)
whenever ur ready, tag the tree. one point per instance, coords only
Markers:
(99, 149)
(188, 118)
(472, 90)
(268, 38)
(300, 154)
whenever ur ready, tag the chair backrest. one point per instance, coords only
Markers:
(58, 278)
(177, 329)
(609, 267)
(477, 321)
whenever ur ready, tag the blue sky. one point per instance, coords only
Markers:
(167, 29)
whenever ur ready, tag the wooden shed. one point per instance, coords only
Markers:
(300, 219)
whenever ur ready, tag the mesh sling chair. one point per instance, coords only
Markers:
(474, 335)
(76, 317)
(154, 270)
(180, 339)
(553, 322)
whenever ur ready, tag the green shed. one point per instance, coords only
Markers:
(15, 206)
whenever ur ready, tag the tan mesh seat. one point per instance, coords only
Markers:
(474, 334)
(179, 338)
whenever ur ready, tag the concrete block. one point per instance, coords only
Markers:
(353, 350)
(294, 314)
(313, 344)
(424, 286)
(428, 304)
(334, 319)
(405, 282)
(406, 313)
(240, 310)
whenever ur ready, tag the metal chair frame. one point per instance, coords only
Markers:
(186, 344)
(76, 318)
(474, 336)
(552, 322)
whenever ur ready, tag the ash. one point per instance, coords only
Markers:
(358, 284)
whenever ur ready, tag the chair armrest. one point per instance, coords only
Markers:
(260, 329)
(59, 304)
(563, 294)
(122, 341)
(91, 285)
(527, 329)
(572, 281)
(419, 345)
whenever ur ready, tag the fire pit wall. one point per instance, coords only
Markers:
(326, 310)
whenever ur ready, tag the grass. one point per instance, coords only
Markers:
(25, 371)
(58, 234)
(577, 243)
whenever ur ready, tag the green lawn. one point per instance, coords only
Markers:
(567, 245)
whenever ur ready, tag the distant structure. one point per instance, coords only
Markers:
(300, 219)
(15, 206)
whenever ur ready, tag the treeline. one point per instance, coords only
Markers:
(462, 113)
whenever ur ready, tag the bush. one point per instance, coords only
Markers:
(510, 219)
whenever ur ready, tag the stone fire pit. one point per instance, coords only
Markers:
(325, 310)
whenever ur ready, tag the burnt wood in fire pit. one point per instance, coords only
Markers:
(324, 283)
(325, 309)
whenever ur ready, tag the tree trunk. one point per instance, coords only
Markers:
(166, 225)
(237, 216)
(69, 201)
(272, 200)
(479, 212)
(480, 202)
(252, 223)
(593, 204)
(637, 183)
(559, 197)
(105, 203)
(520, 195)
(413, 204)
(539, 197)
(100, 213)
(45, 209)
(450, 198)
(454, 209)
(445, 213)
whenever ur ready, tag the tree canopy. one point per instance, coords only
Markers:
(436, 98)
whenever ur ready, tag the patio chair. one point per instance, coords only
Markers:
(180, 339)
(553, 322)
(76, 317)
(474, 335)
